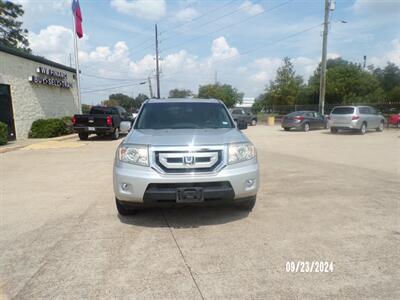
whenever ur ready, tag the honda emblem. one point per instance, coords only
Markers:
(188, 160)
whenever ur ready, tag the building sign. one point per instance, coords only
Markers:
(51, 77)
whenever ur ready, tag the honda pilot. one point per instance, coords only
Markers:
(185, 152)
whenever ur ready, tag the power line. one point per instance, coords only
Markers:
(111, 78)
(198, 17)
(261, 47)
(229, 26)
(114, 87)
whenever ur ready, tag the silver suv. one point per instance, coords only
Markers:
(185, 151)
(359, 118)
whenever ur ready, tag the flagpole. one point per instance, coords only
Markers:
(78, 81)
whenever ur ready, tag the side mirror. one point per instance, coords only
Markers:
(125, 126)
(241, 125)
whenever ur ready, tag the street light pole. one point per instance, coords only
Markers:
(322, 86)
(157, 65)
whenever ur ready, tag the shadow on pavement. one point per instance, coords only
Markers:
(184, 217)
(95, 138)
(351, 132)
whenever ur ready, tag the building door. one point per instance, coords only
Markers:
(6, 110)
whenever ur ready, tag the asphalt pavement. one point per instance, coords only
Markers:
(323, 198)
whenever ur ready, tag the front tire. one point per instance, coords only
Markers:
(115, 134)
(248, 205)
(286, 128)
(306, 127)
(123, 210)
(83, 136)
(380, 127)
(253, 122)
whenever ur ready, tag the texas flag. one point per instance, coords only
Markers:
(76, 10)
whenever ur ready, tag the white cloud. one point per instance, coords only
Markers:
(251, 9)
(264, 69)
(221, 50)
(150, 10)
(392, 55)
(54, 42)
(186, 14)
(50, 6)
(381, 7)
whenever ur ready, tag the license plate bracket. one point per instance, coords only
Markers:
(189, 195)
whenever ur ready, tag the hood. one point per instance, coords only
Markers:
(183, 137)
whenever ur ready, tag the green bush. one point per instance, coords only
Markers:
(68, 123)
(47, 128)
(3, 134)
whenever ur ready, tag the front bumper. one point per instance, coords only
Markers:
(136, 180)
(87, 129)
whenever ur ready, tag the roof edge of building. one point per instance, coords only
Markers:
(35, 58)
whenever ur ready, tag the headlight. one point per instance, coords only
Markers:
(134, 154)
(240, 152)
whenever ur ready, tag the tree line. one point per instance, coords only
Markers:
(346, 83)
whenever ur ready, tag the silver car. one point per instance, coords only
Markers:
(360, 118)
(185, 151)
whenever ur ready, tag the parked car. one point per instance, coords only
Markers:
(395, 120)
(304, 120)
(185, 151)
(102, 121)
(242, 115)
(360, 118)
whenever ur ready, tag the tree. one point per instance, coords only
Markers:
(86, 108)
(224, 92)
(389, 77)
(130, 104)
(177, 93)
(138, 101)
(286, 87)
(346, 83)
(11, 33)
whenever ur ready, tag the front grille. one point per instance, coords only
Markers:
(188, 162)
(166, 192)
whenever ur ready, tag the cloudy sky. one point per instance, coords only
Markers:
(241, 42)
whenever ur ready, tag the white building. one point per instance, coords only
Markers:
(32, 87)
(247, 102)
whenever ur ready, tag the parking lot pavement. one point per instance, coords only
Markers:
(323, 197)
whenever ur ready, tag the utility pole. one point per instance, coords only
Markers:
(322, 86)
(216, 77)
(150, 87)
(157, 65)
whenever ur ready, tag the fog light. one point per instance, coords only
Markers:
(125, 187)
(250, 182)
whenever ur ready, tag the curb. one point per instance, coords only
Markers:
(59, 138)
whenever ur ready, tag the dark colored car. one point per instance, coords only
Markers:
(102, 121)
(304, 120)
(242, 115)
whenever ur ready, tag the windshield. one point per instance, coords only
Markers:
(183, 115)
(343, 111)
